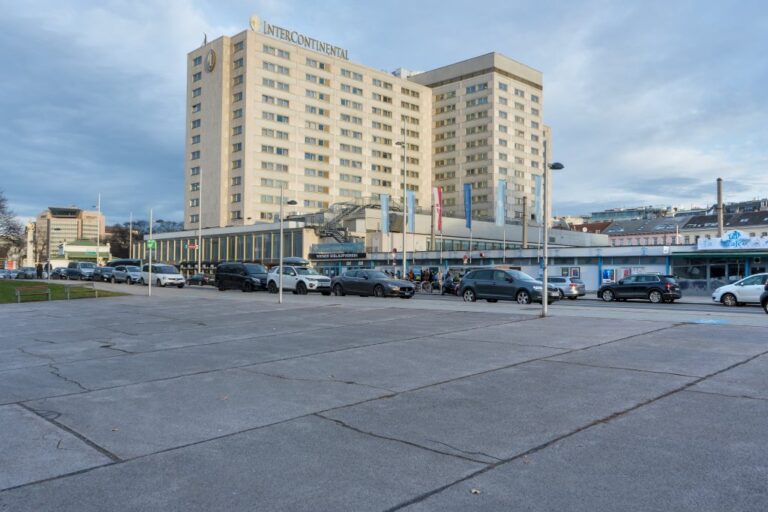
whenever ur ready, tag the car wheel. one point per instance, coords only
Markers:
(523, 297)
(728, 299)
(561, 294)
(469, 295)
(378, 291)
(141, 281)
(247, 287)
(160, 283)
(655, 296)
(338, 290)
(180, 285)
(272, 287)
(608, 295)
(221, 287)
(301, 288)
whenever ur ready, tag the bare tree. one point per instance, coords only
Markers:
(10, 228)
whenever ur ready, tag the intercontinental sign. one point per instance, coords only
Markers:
(298, 39)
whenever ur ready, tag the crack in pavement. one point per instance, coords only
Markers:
(464, 451)
(639, 370)
(331, 379)
(402, 441)
(725, 395)
(542, 446)
(54, 370)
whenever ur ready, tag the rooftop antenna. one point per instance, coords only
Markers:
(205, 39)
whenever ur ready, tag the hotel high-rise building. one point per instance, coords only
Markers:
(271, 109)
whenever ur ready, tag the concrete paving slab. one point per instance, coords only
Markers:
(510, 411)
(675, 454)
(560, 332)
(399, 366)
(33, 449)
(666, 357)
(308, 465)
(145, 418)
(749, 380)
(32, 383)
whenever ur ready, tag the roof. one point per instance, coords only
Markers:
(57, 211)
(645, 226)
(733, 220)
(592, 227)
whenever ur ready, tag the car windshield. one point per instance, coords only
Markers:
(670, 279)
(520, 275)
(87, 265)
(132, 269)
(377, 275)
(304, 271)
(253, 268)
(164, 269)
(577, 281)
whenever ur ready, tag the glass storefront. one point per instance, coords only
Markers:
(701, 275)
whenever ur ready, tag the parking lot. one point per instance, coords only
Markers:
(199, 400)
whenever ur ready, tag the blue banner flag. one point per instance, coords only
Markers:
(411, 198)
(385, 213)
(501, 203)
(468, 204)
(538, 196)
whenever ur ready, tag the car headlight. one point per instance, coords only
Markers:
(394, 287)
(537, 287)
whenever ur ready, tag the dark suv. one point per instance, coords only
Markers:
(494, 284)
(241, 276)
(764, 298)
(653, 287)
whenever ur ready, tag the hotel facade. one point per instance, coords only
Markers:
(269, 110)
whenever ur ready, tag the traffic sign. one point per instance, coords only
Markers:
(192, 246)
(151, 244)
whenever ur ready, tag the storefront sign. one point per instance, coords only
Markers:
(297, 38)
(733, 240)
(337, 256)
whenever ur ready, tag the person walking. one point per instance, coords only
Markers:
(39, 270)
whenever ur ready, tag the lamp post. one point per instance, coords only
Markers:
(556, 166)
(48, 249)
(280, 275)
(405, 201)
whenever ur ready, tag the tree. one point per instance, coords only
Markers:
(10, 228)
(118, 240)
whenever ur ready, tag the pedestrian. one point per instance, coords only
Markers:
(39, 270)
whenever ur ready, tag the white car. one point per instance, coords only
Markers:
(747, 290)
(162, 275)
(298, 279)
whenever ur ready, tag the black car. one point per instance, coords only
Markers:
(495, 284)
(200, 280)
(653, 287)
(103, 274)
(764, 298)
(371, 282)
(59, 273)
(241, 276)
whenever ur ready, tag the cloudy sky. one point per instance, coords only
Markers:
(649, 101)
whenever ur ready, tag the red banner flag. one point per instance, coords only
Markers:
(438, 200)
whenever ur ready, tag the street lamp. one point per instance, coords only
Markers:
(555, 166)
(405, 200)
(48, 249)
(280, 277)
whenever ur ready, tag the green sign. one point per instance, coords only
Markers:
(151, 244)
(90, 253)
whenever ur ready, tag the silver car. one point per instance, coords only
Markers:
(126, 274)
(569, 287)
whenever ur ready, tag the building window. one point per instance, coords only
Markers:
(195, 123)
(237, 181)
(197, 76)
(196, 108)
(197, 92)
(195, 139)
(236, 215)
(239, 63)
(237, 114)
(317, 64)
(195, 155)
(277, 52)
(194, 186)
(503, 86)
(237, 130)
(194, 171)
(237, 146)
(197, 60)
(534, 98)
(351, 74)
(236, 198)
(238, 96)
(194, 218)
(237, 164)
(194, 202)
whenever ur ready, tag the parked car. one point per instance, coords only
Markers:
(103, 274)
(162, 275)
(235, 275)
(80, 270)
(298, 279)
(26, 273)
(744, 291)
(200, 280)
(4, 274)
(496, 284)
(764, 298)
(569, 287)
(371, 282)
(129, 274)
(656, 288)
(124, 262)
(59, 273)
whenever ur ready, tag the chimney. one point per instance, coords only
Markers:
(719, 207)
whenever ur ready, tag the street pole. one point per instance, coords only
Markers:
(545, 184)
(151, 222)
(130, 236)
(98, 228)
(405, 202)
(280, 277)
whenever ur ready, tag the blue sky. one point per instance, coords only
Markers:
(648, 101)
